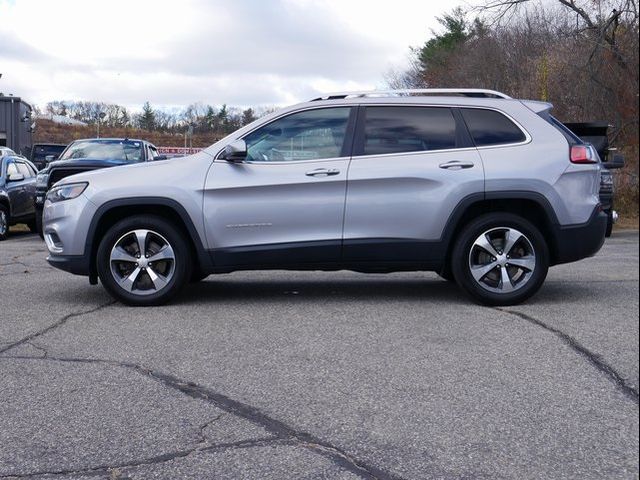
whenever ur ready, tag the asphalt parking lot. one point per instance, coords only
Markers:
(277, 375)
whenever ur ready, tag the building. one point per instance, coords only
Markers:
(16, 124)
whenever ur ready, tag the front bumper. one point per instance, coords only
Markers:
(76, 264)
(65, 228)
(576, 242)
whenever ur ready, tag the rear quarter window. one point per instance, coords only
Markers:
(489, 127)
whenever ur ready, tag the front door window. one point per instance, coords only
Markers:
(309, 135)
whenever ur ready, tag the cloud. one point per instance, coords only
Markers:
(245, 53)
(13, 48)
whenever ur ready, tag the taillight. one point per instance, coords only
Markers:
(583, 154)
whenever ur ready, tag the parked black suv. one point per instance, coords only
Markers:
(90, 154)
(42, 153)
(17, 186)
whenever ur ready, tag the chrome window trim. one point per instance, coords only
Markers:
(418, 152)
(526, 141)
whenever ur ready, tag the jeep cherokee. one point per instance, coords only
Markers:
(481, 188)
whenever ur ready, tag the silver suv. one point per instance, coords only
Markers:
(481, 188)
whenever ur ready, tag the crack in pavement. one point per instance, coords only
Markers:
(202, 428)
(281, 431)
(53, 326)
(154, 460)
(596, 360)
(45, 352)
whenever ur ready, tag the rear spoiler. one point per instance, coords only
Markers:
(541, 108)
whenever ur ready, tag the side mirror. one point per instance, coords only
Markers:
(49, 158)
(236, 151)
(616, 162)
(160, 157)
(16, 177)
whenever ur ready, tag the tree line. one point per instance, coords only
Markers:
(196, 118)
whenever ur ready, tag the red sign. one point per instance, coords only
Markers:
(178, 150)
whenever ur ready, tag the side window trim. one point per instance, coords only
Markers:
(463, 137)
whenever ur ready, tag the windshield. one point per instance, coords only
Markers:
(40, 152)
(125, 150)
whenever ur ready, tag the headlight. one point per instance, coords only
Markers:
(66, 192)
(42, 179)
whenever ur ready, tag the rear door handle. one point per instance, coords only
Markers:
(325, 172)
(456, 165)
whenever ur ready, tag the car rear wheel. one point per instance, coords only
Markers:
(144, 260)
(500, 259)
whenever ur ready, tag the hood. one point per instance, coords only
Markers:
(86, 163)
(136, 173)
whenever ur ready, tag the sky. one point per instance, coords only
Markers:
(174, 53)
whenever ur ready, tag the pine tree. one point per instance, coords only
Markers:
(148, 117)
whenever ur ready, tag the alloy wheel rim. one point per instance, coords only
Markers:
(502, 260)
(3, 222)
(142, 262)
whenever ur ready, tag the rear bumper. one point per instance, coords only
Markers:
(576, 242)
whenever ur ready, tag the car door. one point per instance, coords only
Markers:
(412, 165)
(16, 190)
(284, 204)
(29, 174)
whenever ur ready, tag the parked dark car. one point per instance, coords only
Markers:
(90, 154)
(595, 133)
(42, 153)
(17, 187)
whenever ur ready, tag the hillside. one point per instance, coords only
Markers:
(48, 131)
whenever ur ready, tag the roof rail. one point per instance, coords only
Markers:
(465, 92)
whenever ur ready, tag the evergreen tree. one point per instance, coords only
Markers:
(248, 116)
(147, 119)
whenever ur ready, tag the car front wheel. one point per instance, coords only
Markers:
(144, 260)
(4, 222)
(500, 259)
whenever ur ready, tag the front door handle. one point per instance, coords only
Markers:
(325, 172)
(456, 165)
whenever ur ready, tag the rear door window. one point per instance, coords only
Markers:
(400, 129)
(488, 127)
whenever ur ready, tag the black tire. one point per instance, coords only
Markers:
(4, 222)
(530, 280)
(609, 230)
(160, 230)
(38, 223)
(33, 228)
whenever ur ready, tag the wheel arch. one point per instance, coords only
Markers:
(111, 212)
(530, 205)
